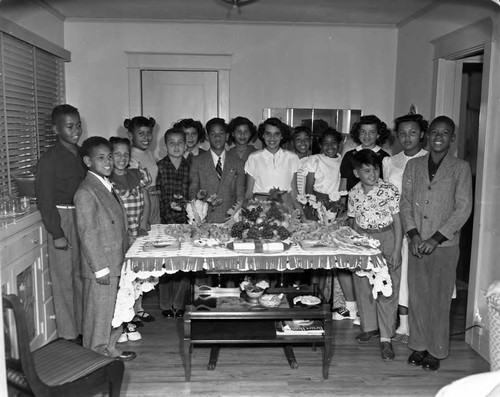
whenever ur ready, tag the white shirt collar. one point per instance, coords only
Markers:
(376, 148)
(277, 154)
(105, 181)
(195, 151)
(215, 158)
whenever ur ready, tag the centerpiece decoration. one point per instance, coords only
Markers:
(198, 230)
(253, 289)
(323, 211)
(197, 209)
(269, 219)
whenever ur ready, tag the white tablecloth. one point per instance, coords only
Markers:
(142, 268)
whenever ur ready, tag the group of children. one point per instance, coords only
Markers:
(415, 211)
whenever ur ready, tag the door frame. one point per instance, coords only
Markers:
(448, 52)
(137, 61)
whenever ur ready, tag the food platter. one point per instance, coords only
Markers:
(308, 300)
(313, 245)
(162, 245)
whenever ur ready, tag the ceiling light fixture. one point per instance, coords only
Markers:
(238, 3)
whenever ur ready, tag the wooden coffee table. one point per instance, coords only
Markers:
(220, 316)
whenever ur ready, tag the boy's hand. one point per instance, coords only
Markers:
(142, 232)
(428, 246)
(61, 243)
(415, 242)
(104, 280)
(395, 260)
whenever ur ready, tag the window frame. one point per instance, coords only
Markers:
(31, 83)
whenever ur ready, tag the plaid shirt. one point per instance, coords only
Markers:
(131, 192)
(172, 181)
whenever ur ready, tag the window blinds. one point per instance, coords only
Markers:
(31, 84)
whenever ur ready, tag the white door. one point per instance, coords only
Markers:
(169, 96)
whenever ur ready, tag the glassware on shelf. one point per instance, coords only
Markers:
(24, 203)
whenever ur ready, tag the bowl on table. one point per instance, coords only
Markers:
(255, 294)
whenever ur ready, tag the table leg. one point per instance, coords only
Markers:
(214, 356)
(187, 347)
(327, 352)
(290, 356)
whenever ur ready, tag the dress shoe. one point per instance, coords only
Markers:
(365, 337)
(430, 363)
(179, 313)
(168, 313)
(127, 356)
(417, 357)
(386, 351)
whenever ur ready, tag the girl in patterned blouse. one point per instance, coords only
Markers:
(131, 185)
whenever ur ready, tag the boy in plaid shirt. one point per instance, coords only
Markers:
(173, 183)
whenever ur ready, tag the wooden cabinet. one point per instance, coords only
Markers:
(24, 272)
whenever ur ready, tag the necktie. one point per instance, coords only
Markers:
(218, 168)
(115, 195)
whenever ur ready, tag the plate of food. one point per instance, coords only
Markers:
(258, 246)
(308, 300)
(160, 245)
(271, 300)
(312, 245)
(206, 242)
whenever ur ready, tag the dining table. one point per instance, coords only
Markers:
(159, 253)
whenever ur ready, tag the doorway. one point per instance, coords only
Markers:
(468, 132)
(451, 52)
(183, 77)
(171, 95)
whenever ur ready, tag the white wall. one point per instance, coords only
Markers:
(30, 15)
(272, 66)
(414, 85)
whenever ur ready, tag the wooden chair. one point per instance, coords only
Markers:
(60, 368)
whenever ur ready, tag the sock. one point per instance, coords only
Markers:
(403, 324)
(353, 309)
(351, 306)
(385, 340)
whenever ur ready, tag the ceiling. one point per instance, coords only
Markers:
(364, 12)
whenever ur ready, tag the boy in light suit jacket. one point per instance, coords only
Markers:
(435, 204)
(102, 226)
(217, 172)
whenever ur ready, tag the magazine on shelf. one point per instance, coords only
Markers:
(289, 328)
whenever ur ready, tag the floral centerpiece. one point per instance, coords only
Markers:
(196, 209)
(323, 211)
(270, 220)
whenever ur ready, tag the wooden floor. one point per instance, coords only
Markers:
(356, 370)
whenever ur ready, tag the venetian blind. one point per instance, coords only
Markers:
(31, 84)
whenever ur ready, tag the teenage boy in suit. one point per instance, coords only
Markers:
(59, 173)
(435, 204)
(102, 226)
(217, 172)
